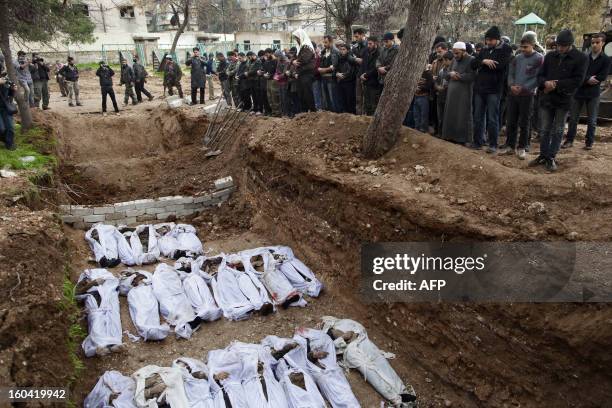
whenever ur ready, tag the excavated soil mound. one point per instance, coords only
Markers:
(311, 189)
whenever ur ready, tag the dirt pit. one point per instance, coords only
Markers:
(302, 184)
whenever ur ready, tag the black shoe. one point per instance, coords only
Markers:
(567, 145)
(150, 98)
(70, 104)
(473, 146)
(79, 104)
(551, 165)
(537, 161)
(588, 147)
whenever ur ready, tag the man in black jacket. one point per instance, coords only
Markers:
(491, 64)
(198, 76)
(589, 91)
(223, 78)
(70, 72)
(140, 78)
(41, 81)
(359, 51)
(369, 76)
(252, 74)
(105, 73)
(243, 82)
(127, 79)
(346, 74)
(561, 75)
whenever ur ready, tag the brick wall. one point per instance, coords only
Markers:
(145, 211)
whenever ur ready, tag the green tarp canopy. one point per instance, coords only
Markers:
(530, 19)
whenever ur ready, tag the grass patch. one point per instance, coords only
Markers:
(35, 143)
(76, 332)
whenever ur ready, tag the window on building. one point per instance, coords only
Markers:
(126, 11)
(276, 44)
(247, 45)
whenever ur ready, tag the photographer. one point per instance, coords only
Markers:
(70, 72)
(105, 73)
(7, 110)
(24, 77)
(40, 76)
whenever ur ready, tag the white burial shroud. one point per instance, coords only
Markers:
(174, 305)
(103, 320)
(200, 392)
(300, 276)
(362, 354)
(112, 383)
(173, 379)
(144, 309)
(142, 255)
(110, 247)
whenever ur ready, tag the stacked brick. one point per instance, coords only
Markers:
(146, 210)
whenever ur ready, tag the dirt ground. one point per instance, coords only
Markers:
(303, 183)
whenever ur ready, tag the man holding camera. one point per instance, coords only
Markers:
(7, 110)
(105, 73)
(40, 77)
(24, 77)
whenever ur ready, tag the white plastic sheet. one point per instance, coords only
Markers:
(110, 246)
(277, 284)
(174, 393)
(200, 392)
(174, 305)
(103, 319)
(362, 354)
(144, 310)
(300, 276)
(144, 255)
(112, 383)
(202, 300)
(329, 378)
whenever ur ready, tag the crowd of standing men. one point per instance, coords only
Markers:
(465, 95)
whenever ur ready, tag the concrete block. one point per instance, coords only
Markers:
(185, 200)
(94, 218)
(223, 193)
(224, 182)
(64, 208)
(175, 207)
(71, 219)
(202, 198)
(166, 201)
(183, 213)
(194, 206)
(146, 217)
(115, 216)
(135, 212)
(127, 205)
(109, 209)
(81, 210)
(164, 215)
(129, 221)
(146, 203)
(155, 210)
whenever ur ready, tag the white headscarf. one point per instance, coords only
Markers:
(303, 38)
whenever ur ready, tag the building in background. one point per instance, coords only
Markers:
(284, 15)
(160, 18)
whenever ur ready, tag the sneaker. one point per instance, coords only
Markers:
(551, 165)
(567, 145)
(491, 149)
(506, 151)
(46, 108)
(588, 147)
(104, 114)
(537, 161)
(79, 104)
(504, 146)
(521, 154)
(70, 104)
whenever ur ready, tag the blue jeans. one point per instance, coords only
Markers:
(421, 113)
(592, 107)
(7, 130)
(316, 92)
(551, 131)
(486, 107)
(330, 94)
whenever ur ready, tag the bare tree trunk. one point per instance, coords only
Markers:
(401, 81)
(5, 46)
(379, 18)
(182, 26)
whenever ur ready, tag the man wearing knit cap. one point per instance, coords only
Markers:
(491, 64)
(561, 75)
(588, 93)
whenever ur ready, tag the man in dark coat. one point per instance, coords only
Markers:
(346, 75)
(243, 82)
(561, 75)
(491, 64)
(305, 70)
(327, 71)
(140, 78)
(223, 78)
(105, 73)
(127, 80)
(231, 69)
(41, 81)
(7, 122)
(589, 92)
(272, 89)
(198, 76)
(358, 52)
(172, 76)
(70, 72)
(372, 88)
(252, 75)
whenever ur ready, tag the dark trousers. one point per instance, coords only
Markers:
(294, 102)
(329, 90)
(284, 103)
(304, 88)
(179, 88)
(108, 90)
(140, 89)
(265, 103)
(7, 129)
(440, 103)
(551, 130)
(245, 97)
(592, 106)
(194, 95)
(371, 95)
(518, 115)
(257, 99)
(347, 100)
(486, 114)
